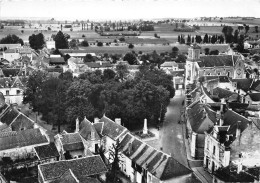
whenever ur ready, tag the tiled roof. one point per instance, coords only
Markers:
(156, 162)
(169, 64)
(85, 130)
(177, 73)
(81, 168)
(11, 51)
(46, 151)
(25, 51)
(243, 84)
(9, 115)
(67, 177)
(256, 85)
(57, 60)
(221, 79)
(231, 119)
(11, 71)
(71, 141)
(22, 122)
(217, 60)
(8, 82)
(195, 115)
(222, 93)
(22, 139)
(111, 129)
(98, 65)
(255, 96)
(99, 126)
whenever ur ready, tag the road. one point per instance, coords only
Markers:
(171, 135)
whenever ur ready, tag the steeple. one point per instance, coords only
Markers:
(194, 52)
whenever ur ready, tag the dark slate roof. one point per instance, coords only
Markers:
(9, 115)
(221, 79)
(11, 71)
(255, 96)
(22, 122)
(57, 60)
(71, 141)
(111, 129)
(159, 164)
(81, 168)
(243, 84)
(46, 151)
(85, 129)
(222, 93)
(195, 115)
(11, 140)
(68, 176)
(217, 60)
(231, 119)
(256, 85)
(99, 126)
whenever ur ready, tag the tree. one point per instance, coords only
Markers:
(109, 74)
(122, 39)
(198, 39)
(37, 41)
(74, 44)
(84, 43)
(122, 71)
(214, 52)
(256, 29)
(61, 41)
(130, 46)
(227, 31)
(88, 58)
(236, 36)
(175, 52)
(11, 39)
(206, 38)
(247, 28)
(99, 43)
(188, 39)
(130, 58)
(206, 51)
(114, 156)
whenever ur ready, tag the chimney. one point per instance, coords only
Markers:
(221, 108)
(118, 121)
(218, 115)
(238, 132)
(77, 125)
(145, 129)
(96, 120)
(221, 121)
(92, 136)
(100, 63)
(242, 98)
(130, 147)
(204, 114)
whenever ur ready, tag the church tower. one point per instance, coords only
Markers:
(191, 70)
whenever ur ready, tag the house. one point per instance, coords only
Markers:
(10, 46)
(80, 170)
(89, 134)
(20, 144)
(57, 61)
(143, 163)
(11, 54)
(47, 153)
(110, 131)
(219, 140)
(26, 52)
(12, 89)
(199, 119)
(197, 66)
(252, 98)
(70, 145)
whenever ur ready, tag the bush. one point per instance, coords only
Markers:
(99, 44)
(107, 44)
(84, 43)
(22, 31)
(131, 46)
(83, 35)
(49, 28)
(122, 39)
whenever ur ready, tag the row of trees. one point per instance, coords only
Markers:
(198, 39)
(11, 39)
(61, 100)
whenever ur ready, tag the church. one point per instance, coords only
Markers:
(212, 65)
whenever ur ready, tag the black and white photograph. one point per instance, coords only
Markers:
(129, 91)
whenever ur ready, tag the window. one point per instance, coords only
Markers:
(18, 92)
(7, 92)
(214, 150)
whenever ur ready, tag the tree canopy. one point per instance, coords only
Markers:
(11, 39)
(37, 41)
(61, 40)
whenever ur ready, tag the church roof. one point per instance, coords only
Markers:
(217, 60)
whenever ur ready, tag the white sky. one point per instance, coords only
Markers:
(128, 9)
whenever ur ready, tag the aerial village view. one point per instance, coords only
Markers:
(129, 91)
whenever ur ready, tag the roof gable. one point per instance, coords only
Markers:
(81, 167)
(71, 141)
(85, 130)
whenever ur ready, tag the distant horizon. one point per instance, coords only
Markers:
(126, 9)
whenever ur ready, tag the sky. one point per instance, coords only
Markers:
(127, 9)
